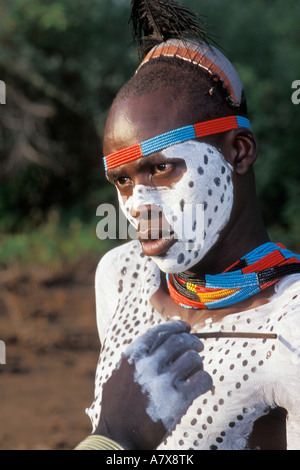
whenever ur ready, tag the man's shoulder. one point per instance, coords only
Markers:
(285, 303)
(289, 287)
(121, 259)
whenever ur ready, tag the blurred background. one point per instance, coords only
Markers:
(62, 62)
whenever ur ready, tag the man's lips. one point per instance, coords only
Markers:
(155, 233)
(156, 241)
(157, 247)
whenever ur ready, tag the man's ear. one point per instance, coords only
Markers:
(242, 149)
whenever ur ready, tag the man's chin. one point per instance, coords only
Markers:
(178, 259)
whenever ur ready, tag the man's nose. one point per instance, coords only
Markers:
(140, 211)
(140, 201)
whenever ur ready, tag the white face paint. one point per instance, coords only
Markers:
(197, 207)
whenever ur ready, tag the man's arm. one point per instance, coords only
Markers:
(157, 379)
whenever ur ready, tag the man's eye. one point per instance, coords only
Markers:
(162, 167)
(122, 180)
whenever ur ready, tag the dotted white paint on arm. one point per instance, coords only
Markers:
(165, 403)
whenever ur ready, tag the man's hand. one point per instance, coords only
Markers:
(157, 379)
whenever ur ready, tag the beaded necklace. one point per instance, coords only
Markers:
(251, 274)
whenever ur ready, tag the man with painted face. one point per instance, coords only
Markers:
(180, 150)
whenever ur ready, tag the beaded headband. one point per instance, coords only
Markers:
(176, 136)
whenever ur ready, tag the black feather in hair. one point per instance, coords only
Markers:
(156, 21)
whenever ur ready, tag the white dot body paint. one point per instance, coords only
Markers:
(198, 206)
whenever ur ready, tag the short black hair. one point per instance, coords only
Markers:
(199, 88)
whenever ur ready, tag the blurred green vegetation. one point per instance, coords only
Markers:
(63, 62)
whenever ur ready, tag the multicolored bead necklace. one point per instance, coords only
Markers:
(251, 274)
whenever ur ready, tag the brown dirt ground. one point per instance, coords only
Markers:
(48, 323)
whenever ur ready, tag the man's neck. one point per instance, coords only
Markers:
(243, 237)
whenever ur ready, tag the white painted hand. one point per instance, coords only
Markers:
(156, 381)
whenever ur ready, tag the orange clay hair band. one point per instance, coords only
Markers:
(176, 136)
(205, 56)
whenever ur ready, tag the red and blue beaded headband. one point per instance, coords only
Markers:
(176, 136)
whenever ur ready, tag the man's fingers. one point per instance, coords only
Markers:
(153, 338)
(188, 373)
(187, 364)
(162, 334)
(173, 347)
(196, 384)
